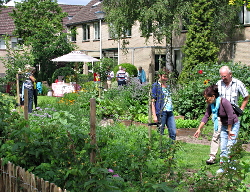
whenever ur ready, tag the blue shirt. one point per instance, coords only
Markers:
(161, 98)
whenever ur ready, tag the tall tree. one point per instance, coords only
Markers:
(157, 17)
(210, 22)
(163, 17)
(39, 24)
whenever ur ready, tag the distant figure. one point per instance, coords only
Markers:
(121, 76)
(141, 75)
(29, 85)
(110, 76)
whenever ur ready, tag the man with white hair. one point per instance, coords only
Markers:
(121, 76)
(229, 88)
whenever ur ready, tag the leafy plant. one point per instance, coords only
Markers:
(188, 123)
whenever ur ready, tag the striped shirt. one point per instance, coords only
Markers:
(232, 91)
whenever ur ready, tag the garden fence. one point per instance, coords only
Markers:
(16, 179)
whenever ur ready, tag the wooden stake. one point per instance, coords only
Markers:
(26, 116)
(150, 78)
(93, 129)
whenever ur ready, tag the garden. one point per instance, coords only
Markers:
(55, 143)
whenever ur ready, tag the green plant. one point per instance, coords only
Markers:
(131, 69)
(63, 71)
(187, 123)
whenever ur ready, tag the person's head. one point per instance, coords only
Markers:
(139, 68)
(225, 74)
(211, 93)
(120, 67)
(163, 75)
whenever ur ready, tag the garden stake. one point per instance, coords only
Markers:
(93, 128)
(26, 116)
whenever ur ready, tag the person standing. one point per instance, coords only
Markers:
(35, 93)
(121, 76)
(29, 85)
(229, 88)
(110, 76)
(224, 118)
(162, 108)
(141, 75)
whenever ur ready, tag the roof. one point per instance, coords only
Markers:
(87, 13)
(7, 25)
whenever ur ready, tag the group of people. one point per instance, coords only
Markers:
(122, 76)
(219, 98)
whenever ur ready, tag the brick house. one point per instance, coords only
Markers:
(138, 52)
(7, 27)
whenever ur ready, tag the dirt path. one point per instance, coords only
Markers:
(202, 141)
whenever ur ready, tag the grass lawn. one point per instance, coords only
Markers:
(192, 157)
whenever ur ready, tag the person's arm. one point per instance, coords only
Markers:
(154, 111)
(244, 103)
(197, 133)
(229, 130)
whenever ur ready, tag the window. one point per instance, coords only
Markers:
(73, 33)
(244, 15)
(86, 32)
(127, 33)
(16, 42)
(2, 44)
(97, 30)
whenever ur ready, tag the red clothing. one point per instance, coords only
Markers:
(96, 77)
(225, 112)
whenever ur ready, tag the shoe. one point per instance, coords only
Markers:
(211, 160)
(219, 171)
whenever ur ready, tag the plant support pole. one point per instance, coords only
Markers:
(93, 129)
(150, 102)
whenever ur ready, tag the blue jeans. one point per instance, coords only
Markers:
(226, 143)
(167, 118)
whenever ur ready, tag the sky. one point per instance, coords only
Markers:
(67, 2)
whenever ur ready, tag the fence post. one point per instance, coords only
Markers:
(93, 129)
(150, 79)
(17, 90)
(26, 116)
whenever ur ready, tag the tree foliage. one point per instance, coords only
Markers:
(156, 17)
(207, 27)
(3, 2)
(39, 24)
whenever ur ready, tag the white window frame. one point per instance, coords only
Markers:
(244, 15)
(2, 43)
(86, 32)
(97, 31)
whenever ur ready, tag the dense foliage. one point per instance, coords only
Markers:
(39, 24)
(55, 144)
(207, 27)
(131, 69)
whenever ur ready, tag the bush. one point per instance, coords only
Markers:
(131, 69)
(63, 71)
(188, 97)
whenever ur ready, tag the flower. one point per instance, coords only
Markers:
(111, 170)
(116, 175)
(200, 71)
(206, 82)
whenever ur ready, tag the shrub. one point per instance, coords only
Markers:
(63, 71)
(131, 69)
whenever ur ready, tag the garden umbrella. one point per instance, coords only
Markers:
(75, 56)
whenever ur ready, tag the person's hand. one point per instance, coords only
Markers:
(197, 133)
(230, 134)
(155, 119)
